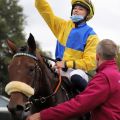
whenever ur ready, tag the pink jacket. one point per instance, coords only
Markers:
(102, 97)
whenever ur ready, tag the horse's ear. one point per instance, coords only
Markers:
(31, 43)
(11, 45)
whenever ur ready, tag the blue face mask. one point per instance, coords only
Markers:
(76, 18)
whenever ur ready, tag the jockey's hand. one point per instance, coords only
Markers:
(35, 116)
(60, 64)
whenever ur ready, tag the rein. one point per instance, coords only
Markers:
(43, 99)
(54, 60)
(46, 57)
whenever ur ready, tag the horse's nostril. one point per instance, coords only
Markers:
(19, 108)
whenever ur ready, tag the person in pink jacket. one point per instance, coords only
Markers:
(101, 96)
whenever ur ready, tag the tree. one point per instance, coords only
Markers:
(12, 21)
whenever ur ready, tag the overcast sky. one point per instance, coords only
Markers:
(106, 21)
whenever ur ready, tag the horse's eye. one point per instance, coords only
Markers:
(31, 69)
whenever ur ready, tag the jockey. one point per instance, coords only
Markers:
(76, 45)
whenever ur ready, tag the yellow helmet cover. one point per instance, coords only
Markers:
(88, 4)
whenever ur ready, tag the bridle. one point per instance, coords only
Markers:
(40, 99)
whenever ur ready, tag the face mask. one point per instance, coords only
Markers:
(76, 18)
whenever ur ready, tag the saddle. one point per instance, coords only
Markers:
(71, 90)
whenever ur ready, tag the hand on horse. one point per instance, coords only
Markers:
(35, 116)
(59, 64)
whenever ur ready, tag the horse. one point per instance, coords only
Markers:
(33, 85)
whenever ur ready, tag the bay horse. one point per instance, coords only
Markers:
(33, 86)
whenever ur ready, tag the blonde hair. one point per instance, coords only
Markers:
(107, 49)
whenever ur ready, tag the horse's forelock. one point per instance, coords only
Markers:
(22, 49)
(25, 49)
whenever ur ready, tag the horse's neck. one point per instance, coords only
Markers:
(48, 87)
(53, 79)
(61, 94)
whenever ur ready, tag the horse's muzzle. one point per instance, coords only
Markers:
(18, 112)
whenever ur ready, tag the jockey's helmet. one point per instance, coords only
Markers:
(86, 4)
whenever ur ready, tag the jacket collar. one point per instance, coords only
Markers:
(107, 63)
(82, 24)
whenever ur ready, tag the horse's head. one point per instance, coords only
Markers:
(25, 71)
